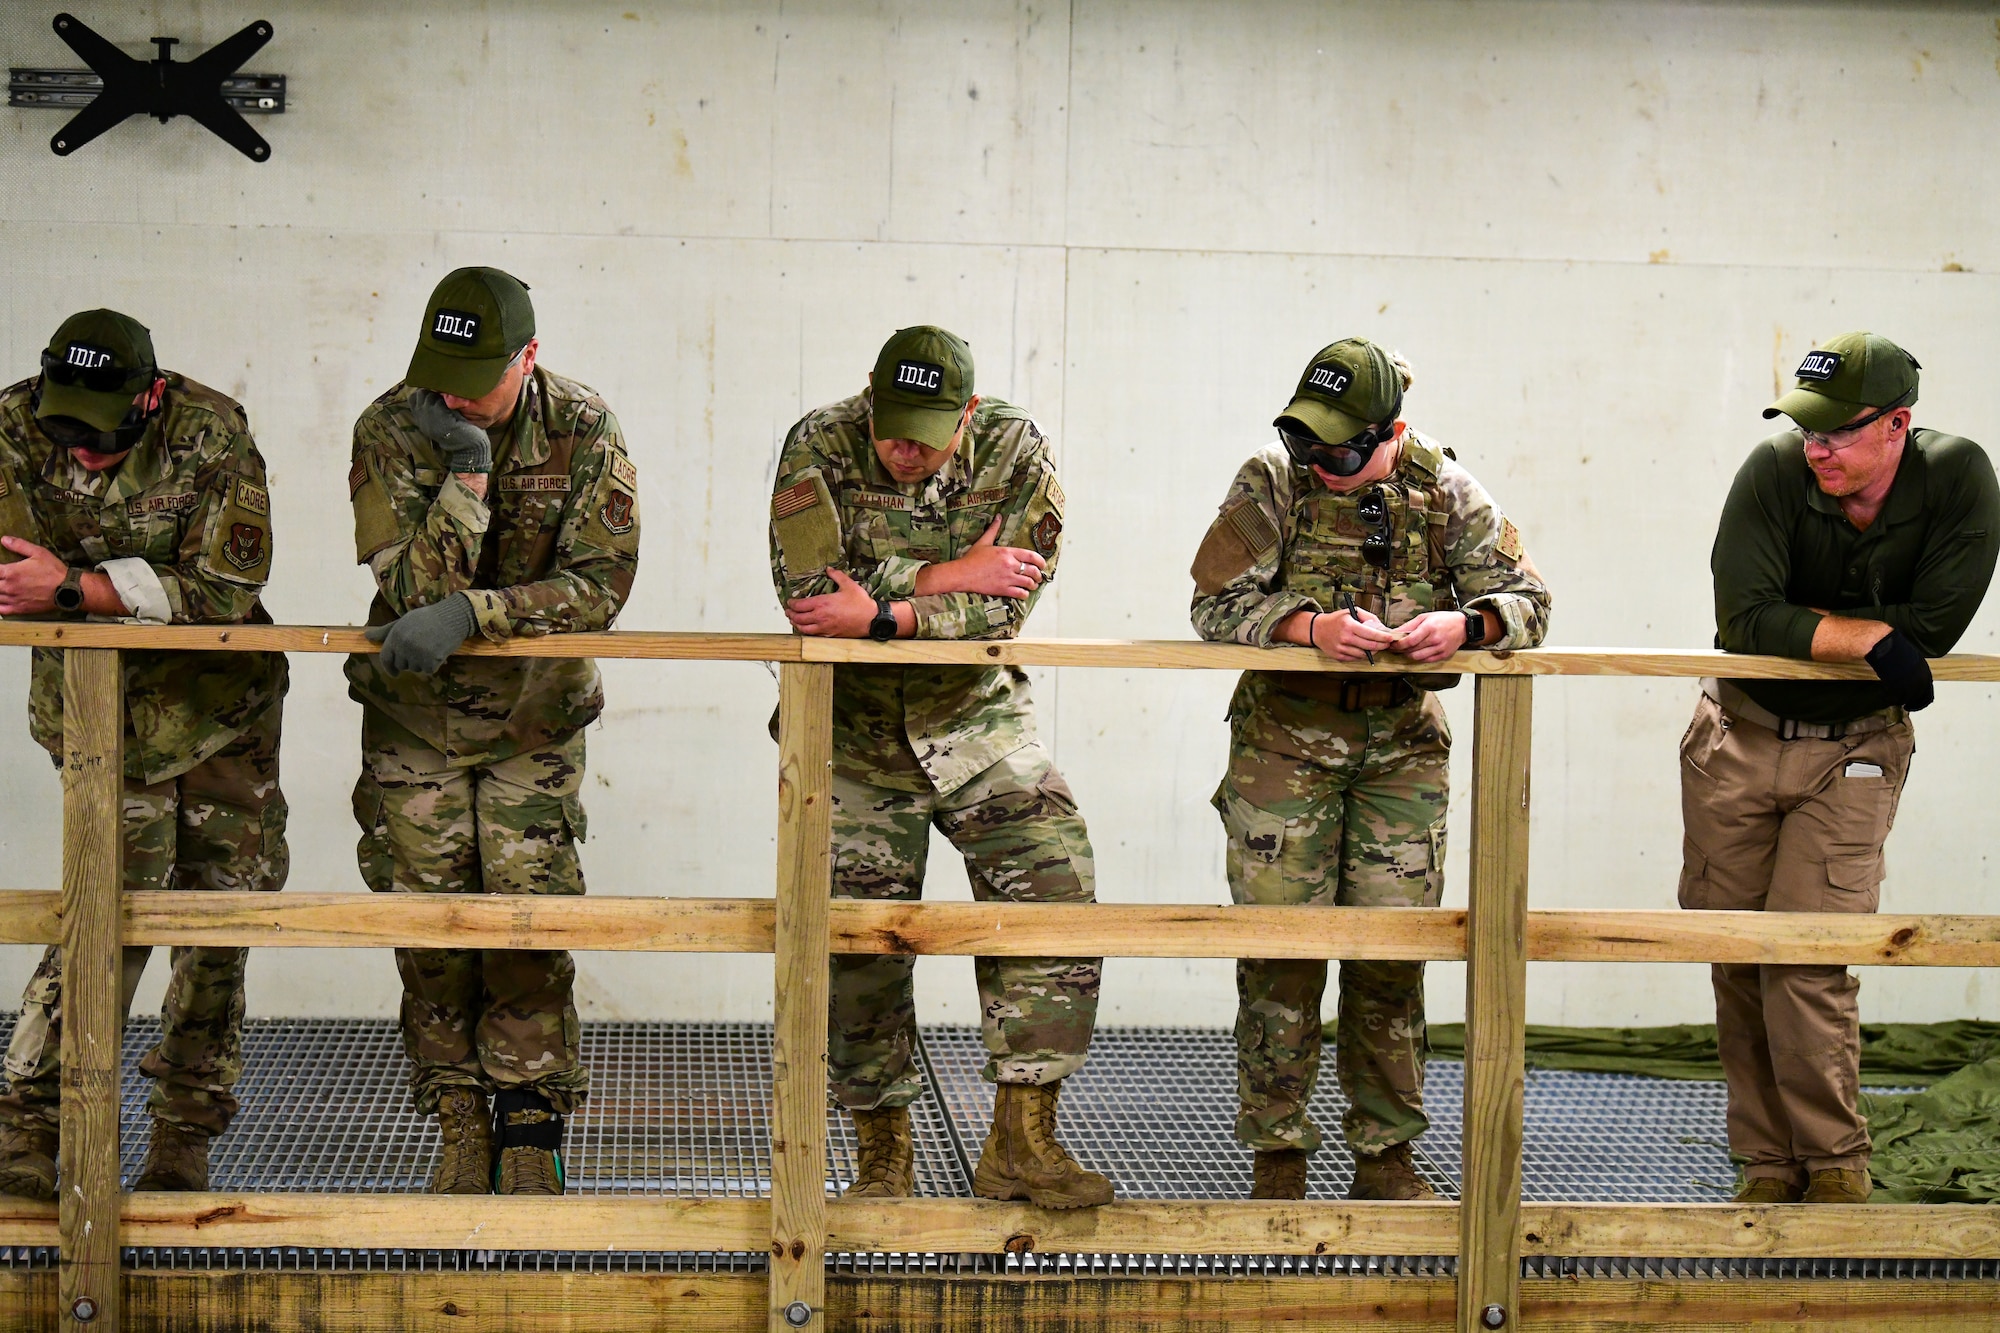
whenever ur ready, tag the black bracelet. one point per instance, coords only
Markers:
(1311, 625)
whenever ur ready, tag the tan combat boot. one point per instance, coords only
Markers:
(1022, 1159)
(465, 1164)
(28, 1163)
(1279, 1173)
(887, 1169)
(176, 1160)
(1390, 1175)
(1839, 1184)
(1768, 1189)
(528, 1133)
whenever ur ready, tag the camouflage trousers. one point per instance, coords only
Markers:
(1017, 827)
(1328, 808)
(220, 827)
(478, 1018)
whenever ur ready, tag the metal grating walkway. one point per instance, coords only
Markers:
(683, 1109)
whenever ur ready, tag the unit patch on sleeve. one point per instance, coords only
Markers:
(239, 534)
(245, 546)
(1046, 532)
(617, 513)
(1509, 546)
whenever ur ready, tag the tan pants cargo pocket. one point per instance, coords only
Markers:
(1853, 883)
(1695, 891)
(1255, 856)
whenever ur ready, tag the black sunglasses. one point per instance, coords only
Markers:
(1375, 513)
(98, 379)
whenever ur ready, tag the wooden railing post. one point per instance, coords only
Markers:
(93, 872)
(1496, 993)
(798, 1062)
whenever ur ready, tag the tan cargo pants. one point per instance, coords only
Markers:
(1773, 825)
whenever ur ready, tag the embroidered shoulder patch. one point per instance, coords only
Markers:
(793, 500)
(618, 513)
(251, 499)
(357, 476)
(1047, 529)
(1509, 546)
(623, 472)
(1238, 536)
(6, 487)
(1250, 524)
(1056, 496)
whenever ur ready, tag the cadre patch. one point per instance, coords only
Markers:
(356, 477)
(1820, 366)
(624, 473)
(251, 499)
(1046, 532)
(1509, 546)
(1055, 493)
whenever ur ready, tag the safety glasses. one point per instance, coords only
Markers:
(1825, 439)
(98, 379)
(1375, 516)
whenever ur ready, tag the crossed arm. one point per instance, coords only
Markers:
(987, 569)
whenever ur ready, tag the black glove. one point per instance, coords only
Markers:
(422, 639)
(1902, 667)
(466, 447)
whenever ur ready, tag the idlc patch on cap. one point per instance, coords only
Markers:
(1820, 366)
(455, 326)
(1329, 377)
(920, 377)
(86, 356)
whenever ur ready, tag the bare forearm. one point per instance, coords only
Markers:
(100, 598)
(1842, 639)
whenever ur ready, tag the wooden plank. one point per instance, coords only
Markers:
(798, 1044)
(1142, 1226)
(419, 1221)
(1123, 654)
(1496, 1005)
(93, 862)
(1673, 936)
(1771, 1231)
(215, 1300)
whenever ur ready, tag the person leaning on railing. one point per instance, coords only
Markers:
(1855, 537)
(131, 493)
(1355, 535)
(495, 498)
(918, 508)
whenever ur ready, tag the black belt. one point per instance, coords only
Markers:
(1738, 704)
(1350, 694)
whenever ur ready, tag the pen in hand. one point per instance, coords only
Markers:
(1357, 620)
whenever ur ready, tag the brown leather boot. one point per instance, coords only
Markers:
(1390, 1175)
(1022, 1159)
(465, 1165)
(1839, 1184)
(28, 1163)
(1768, 1189)
(528, 1132)
(176, 1160)
(887, 1169)
(1279, 1173)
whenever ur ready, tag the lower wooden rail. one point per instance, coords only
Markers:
(652, 1224)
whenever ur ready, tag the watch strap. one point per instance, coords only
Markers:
(883, 627)
(69, 593)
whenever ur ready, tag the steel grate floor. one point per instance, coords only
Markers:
(683, 1109)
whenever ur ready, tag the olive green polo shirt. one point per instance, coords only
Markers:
(1784, 547)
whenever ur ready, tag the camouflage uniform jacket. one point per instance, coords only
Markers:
(913, 729)
(183, 528)
(1284, 543)
(553, 549)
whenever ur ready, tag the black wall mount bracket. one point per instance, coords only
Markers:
(206, 89)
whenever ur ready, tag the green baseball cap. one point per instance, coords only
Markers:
(1348, 387)
(95, 365)
(474, 323)
(922, 381)
(1840, 378)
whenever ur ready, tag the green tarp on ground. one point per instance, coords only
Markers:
(1941, 1145)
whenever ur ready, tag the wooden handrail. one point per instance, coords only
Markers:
(1125, 654)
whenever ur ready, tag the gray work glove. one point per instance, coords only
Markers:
(466, 447)
(423, 638)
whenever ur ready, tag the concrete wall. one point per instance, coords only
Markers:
(1602, 232)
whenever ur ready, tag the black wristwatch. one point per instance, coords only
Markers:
(883, 627)
(69, 594)
(1475, 628)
